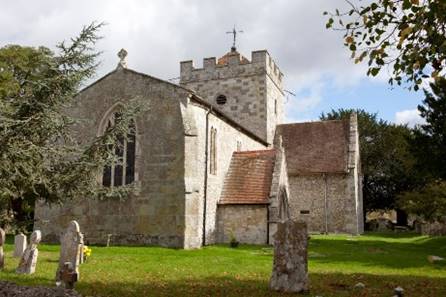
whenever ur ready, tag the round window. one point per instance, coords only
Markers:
(221, 99)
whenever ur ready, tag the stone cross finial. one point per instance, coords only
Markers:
(122, 55)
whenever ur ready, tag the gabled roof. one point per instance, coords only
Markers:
(315, 147)
(248, 180)
(195, 97)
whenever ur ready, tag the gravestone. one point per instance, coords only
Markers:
(70, 249)
(2, 242)
(290, 268)
(28, 262)
(20, 244)
(81, 250)
(68, 275)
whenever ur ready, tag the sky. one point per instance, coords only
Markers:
(158, 34)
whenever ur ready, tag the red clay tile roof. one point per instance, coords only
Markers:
(224, 59)
(315, 147)
(249, 178)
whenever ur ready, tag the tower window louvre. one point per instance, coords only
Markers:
(221, 99)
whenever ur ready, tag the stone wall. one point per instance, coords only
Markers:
(252, 90)
(336, 214)
(155, 213)
(226, 142)
(247, 223)
(434, 228)
(279, 207)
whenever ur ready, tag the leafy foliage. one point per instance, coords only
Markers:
(39, 158)
(429, 146)
(386, 161)
(407, 35)
(429, 202)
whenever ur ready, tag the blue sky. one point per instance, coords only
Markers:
(375, 96)
(158, 34)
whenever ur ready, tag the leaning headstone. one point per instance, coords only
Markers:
(70, 249)
(2, 242)
(290, 268)
(28, 261)
(19, 245)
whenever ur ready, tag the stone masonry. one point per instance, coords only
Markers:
(253, 89)
(230, 105)
(290, 267)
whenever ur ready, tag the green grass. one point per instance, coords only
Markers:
(336, 264)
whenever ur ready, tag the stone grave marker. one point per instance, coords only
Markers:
(28, 261)
(290, 268)
(70, 250)
(81, 249)
(20, 244)
(2, 242)
(68, 275)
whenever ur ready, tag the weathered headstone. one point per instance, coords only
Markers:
(81, 249)
(70, 249)
(2, 242)
(20, 244)
(290, 268)
(28, 261)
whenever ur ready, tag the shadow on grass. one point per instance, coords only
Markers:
(330, 284)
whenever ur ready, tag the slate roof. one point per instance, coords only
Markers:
(316, 147)
(249, 178)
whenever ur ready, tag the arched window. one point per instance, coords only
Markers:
(122, 171)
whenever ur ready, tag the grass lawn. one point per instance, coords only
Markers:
(336, 264)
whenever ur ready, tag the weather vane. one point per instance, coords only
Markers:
(234, 33)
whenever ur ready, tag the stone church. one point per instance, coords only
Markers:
(212, 160)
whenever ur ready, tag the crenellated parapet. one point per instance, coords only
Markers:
(231, 65)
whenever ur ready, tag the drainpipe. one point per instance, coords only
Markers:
(325, 202)
(267, 224)
(205, 190)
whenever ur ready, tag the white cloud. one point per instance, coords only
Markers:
(411, 117)
(158, 34)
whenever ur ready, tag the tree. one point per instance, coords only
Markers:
(433, 132)
(407, 35)
(39, 158)
(386, 162)
(428, 202)
(428, 145)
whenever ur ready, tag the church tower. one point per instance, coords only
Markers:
(249, 91)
